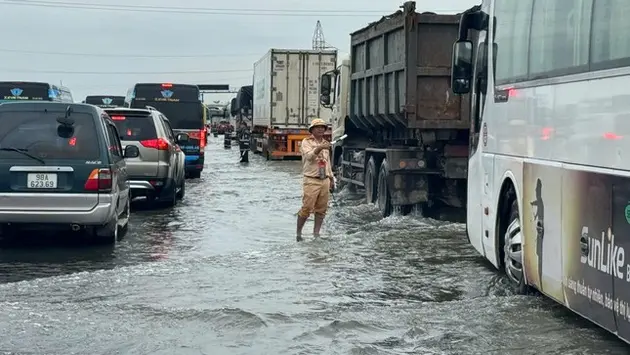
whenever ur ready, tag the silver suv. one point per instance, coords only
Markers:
(158, 173)
(62, 166)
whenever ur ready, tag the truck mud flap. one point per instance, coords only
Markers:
(408, 175)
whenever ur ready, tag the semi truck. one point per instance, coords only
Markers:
(241, 106)
(241, 112)
(286, 99)
(407, 133)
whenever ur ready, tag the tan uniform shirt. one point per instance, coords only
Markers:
(310, 167)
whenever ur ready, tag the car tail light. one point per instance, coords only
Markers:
(99, 180)
(167, 85)
(118, 118)
(159, 144)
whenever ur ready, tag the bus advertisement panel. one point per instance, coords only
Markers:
(105, 101)
(13, 91)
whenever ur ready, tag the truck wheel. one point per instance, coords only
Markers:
(370, 181)
(384, 200)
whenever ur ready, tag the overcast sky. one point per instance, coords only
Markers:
(105, 50)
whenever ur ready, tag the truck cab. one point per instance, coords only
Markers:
(336, 84)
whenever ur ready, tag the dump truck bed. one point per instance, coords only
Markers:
(400, 73)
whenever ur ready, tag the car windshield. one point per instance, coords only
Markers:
(36, 133)
(135, 128)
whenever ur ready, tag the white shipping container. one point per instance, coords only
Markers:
(286, 87)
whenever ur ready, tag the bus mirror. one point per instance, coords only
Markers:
(324, 100)
(461, 70)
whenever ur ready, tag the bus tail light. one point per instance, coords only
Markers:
(202, 138)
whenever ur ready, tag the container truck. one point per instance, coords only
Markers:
(241, 106)
(407, 134)
(241, 111)
(286, 99)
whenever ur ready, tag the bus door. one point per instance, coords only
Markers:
(478, 174)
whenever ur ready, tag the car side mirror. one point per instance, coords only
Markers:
(182, 138)
(462, 66)
(131, 151)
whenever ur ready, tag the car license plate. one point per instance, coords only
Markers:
(42, 181)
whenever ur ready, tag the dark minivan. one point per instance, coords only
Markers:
(62, 165)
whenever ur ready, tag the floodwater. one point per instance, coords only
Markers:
(221, 273)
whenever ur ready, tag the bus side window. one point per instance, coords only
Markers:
(610, 47)
(559, 38)
(512, 22)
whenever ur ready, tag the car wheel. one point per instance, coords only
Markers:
(172, 197)
(182, 190)
(107, 234)
(127, 215)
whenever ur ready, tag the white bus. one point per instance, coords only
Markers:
(548, 179)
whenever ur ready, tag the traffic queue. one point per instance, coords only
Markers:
(76, 167)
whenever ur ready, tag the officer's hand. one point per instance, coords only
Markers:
(325, 145)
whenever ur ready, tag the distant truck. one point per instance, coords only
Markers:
(241, 106)
(286, 98)
(407, 143)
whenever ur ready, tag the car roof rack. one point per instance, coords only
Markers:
(151, 108)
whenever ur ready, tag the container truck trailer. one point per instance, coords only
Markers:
(286, 98)
(407, 143)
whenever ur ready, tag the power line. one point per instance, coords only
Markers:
(205, 11)
(191, 8)
(8, 50)
(16, 70)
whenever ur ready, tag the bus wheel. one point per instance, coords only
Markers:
(370, 181)
(383, 196)
(513, 251)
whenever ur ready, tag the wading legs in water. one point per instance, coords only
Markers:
(300, 225)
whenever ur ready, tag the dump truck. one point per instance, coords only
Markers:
(286, 99)
(406, 141)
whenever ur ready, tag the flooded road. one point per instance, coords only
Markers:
(221, 273)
